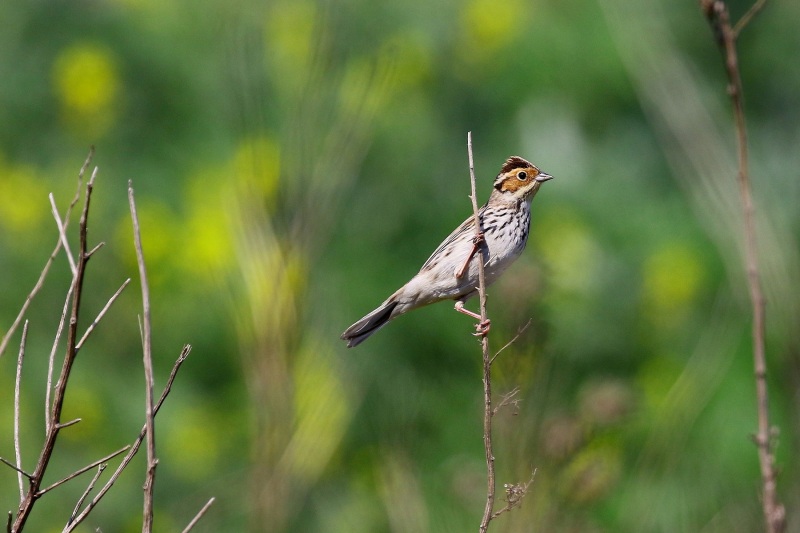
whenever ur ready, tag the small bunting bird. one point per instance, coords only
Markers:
(450, 273)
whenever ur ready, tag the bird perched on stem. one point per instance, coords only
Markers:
(450, 273)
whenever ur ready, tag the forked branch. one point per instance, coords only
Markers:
(54, 425)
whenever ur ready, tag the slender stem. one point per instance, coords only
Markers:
(17, 382)
(487, 359)
(719, 17)
(152, 461)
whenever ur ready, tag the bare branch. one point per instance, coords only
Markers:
(135, 446)
(198, 516)
(717, 13)
(102, 313)
(17, 381)
(84, 469)
(152, 461)
(38, 285)
(53, 425)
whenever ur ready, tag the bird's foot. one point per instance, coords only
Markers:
(482, 327)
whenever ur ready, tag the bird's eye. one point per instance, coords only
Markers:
(522, 175)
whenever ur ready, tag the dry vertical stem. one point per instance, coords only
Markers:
(152, 461)
(17, 381)
(717, 13)
(487, 359)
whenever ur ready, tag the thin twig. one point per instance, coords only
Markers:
(102, 313)
(91, 252)
(152, 461)
(62, 425)
(17, 381)
(717, 13)
(84, 469)
(89, 488)
(38, 285)
(487, 359)
(15, 467)
(62, 233)
(134, 447)
(747, 17)
(520, 331)
(198, 516)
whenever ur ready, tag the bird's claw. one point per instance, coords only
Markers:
(482, 328)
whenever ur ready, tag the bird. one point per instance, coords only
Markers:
(450, 273)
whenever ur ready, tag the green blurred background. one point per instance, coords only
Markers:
(296, 161)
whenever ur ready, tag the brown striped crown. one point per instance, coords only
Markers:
(514, 162)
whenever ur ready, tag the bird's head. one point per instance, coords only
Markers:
(519, 179)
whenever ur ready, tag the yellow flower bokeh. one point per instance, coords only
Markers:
(23, 198)
(672, 276)
(489, 25)
(87, 86)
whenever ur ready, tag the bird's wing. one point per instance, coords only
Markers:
(469, 222)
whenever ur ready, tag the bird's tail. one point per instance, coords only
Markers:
(358, 332)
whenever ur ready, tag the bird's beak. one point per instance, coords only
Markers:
(542, 177)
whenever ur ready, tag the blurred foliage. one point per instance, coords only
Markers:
(296, 161)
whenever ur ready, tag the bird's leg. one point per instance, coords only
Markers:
(482, 327)
(476, 243)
